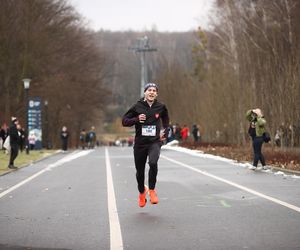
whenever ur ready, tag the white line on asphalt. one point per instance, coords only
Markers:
(116, 241)
(56, 164)
(283, 203)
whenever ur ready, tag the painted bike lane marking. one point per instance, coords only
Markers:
(116, 241)
(60, 162)
(277, 201)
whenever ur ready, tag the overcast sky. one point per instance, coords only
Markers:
(141, 15)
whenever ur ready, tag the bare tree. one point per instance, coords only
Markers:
(46, 41)
(253, 60)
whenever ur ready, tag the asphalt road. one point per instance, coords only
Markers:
(88, 200)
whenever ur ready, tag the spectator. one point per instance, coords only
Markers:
(64, 135)
(82, 138)
(256, 131)
(130, 141)
(14, 139)
(283, 135)
(176, 132)
(185, 133)
(92, 138)
(22, 139)
(3, 134)
(31, 140)
(196, 133)
(170, 134)
(277, 138)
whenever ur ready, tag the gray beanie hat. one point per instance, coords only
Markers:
(150, 84)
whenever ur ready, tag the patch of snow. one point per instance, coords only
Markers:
(201, 154)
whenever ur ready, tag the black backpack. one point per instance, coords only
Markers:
(266, 137)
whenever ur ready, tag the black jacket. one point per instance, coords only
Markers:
(64, 135)
(154, 115)
(14, 135)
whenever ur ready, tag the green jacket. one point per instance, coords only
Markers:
(259, 123)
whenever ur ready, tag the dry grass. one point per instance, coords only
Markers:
(23, 158)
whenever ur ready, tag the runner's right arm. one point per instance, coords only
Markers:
(130, 118)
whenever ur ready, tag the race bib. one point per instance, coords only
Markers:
(149, 130)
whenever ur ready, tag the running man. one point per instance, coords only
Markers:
(147, 115)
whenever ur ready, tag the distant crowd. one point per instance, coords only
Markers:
(175, 133)
(88, 139)
(285, 136)
(181, 134)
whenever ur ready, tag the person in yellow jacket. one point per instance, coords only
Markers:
(256, 131)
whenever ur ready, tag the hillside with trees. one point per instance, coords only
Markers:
(46, 41)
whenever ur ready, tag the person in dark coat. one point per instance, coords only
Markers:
(64, 135)
(82, 138)
(176, 132)
(14, 140)
(3, 133)
(22, 139)
(195, 132)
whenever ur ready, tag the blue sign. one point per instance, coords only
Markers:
(35, 122)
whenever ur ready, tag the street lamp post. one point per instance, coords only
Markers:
(46, 123)
(26, 87)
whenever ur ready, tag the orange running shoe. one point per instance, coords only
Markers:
(142, 197)
(153, 196)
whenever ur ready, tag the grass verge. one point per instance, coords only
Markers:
(23, 158)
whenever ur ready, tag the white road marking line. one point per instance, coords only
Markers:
(56, 164)
(116, 241)
(283, 203)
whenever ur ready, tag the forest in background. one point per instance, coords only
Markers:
(248, 58)
(251, 59)
(46, 41)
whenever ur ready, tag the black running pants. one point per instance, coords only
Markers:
(141, 152)
(258, 156)
(14, 150)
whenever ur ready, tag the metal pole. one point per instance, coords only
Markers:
(46, 121)
(143, 71)
(27, 125)
(143, 47)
